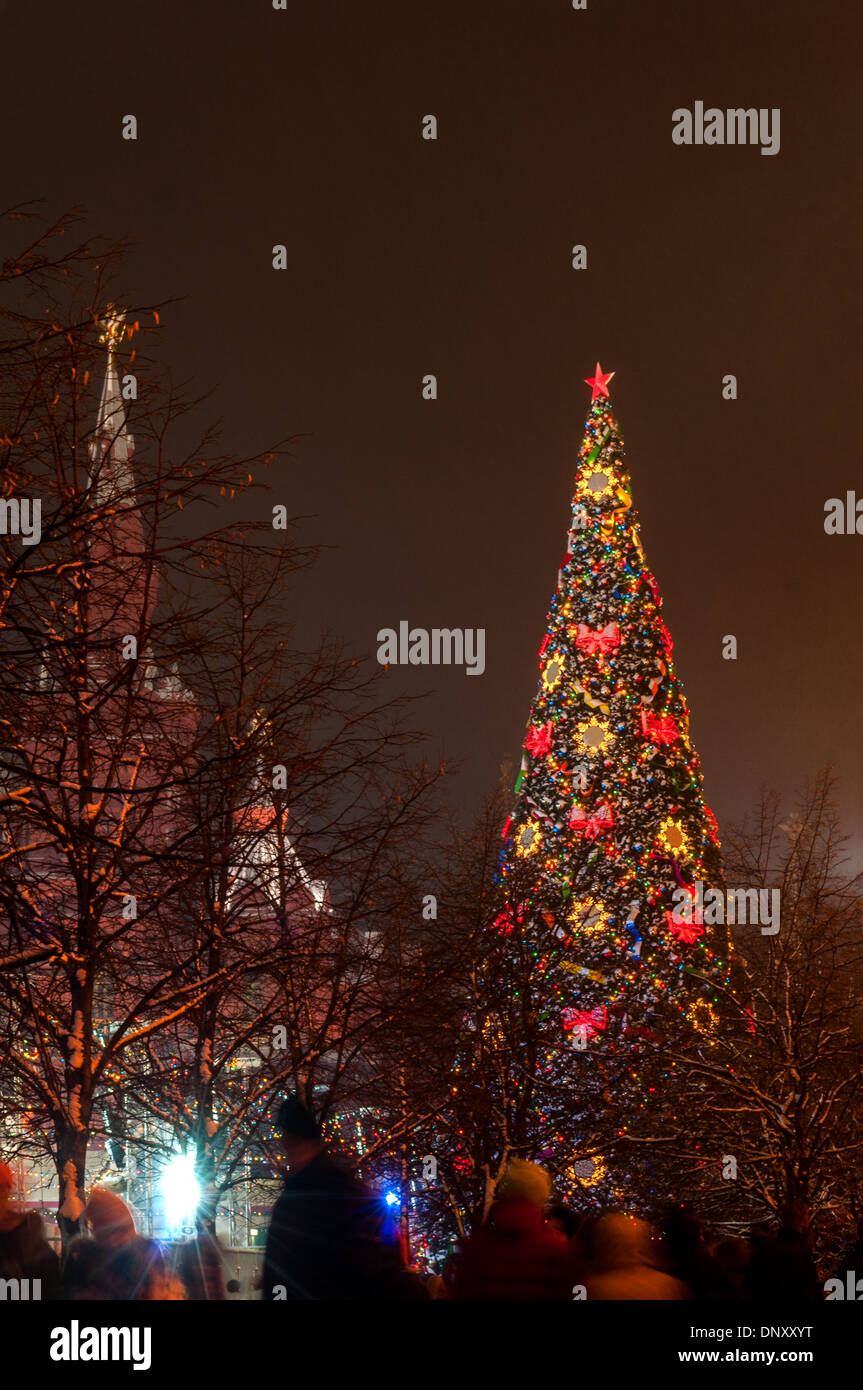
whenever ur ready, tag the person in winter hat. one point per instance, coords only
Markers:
(24, 1251)
(515, 1254)
(114, 1263)
(109, 1219)
(624, 1261)
(525, 1180)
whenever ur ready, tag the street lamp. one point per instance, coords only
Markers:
(182, 1193)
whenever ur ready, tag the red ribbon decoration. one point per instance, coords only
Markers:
(538, 740)
(602, 640)
(660, 728)
(593, 825)
(684, 931)
(691, 926)
(591, 1020)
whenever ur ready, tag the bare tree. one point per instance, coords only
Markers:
(148, 884)
(771, 1103)
(308, 802)
(483, 1067)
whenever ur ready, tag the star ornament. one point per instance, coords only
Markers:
(553, 672)
(527, 840)
(599, 383)
(673, 840)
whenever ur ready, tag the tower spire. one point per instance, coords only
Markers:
(112, 444)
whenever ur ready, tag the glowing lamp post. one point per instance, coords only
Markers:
(182, 1193)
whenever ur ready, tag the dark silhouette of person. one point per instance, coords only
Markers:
(328, 1237)
(782, 1268)
(734, 1256)
(689, 1258)
(198, 1265)
(852, 1261)
(564, 1220)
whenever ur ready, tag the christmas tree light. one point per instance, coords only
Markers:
(609, 817)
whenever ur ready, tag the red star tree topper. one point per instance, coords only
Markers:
(599, 383)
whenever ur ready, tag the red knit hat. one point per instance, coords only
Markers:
(109, 1217)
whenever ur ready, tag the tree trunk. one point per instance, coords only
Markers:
(71, 1173)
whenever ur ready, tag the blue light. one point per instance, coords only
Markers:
(392, 1199)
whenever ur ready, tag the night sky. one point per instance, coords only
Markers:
(453, 257)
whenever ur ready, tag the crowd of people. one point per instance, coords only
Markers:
(108, 1261)
(329, 1239)
(529, 1248)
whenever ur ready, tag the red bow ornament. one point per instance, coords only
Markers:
(591, 1020)
(686, 932)
(538, 740)
(601, 640)
(590, 825)
(686, 921)
(660, 728)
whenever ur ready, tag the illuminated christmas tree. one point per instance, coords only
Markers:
(610, 819)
